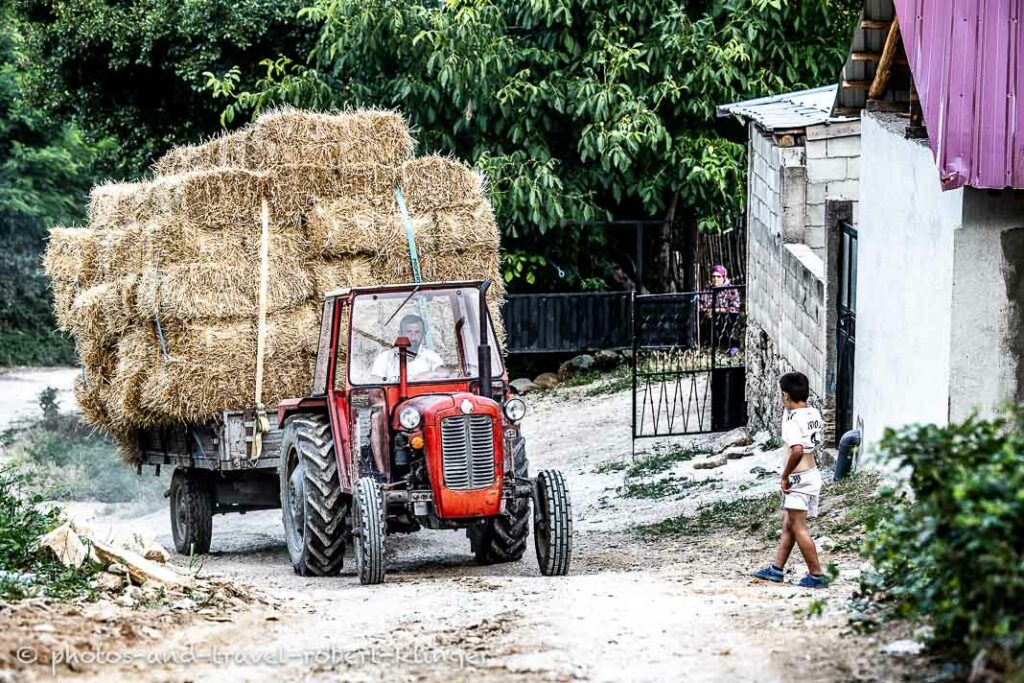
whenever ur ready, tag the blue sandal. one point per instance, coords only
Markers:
(812, 581)
(769, 573)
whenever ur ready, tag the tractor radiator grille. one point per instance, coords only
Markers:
(467, 452)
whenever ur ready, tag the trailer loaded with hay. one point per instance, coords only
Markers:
(215, 308)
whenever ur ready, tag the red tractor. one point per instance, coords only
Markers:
(410, 424)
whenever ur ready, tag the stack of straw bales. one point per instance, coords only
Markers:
(161, 291)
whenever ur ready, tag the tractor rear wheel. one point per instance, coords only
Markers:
(369, 531)
(191, 511)
(552, 524)
(313, 505)
(503, 538)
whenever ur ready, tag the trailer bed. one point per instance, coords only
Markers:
(223, 445)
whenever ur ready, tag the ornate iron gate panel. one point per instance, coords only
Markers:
(846, 328)
(688, 362)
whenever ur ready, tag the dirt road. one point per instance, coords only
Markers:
(20, 388)
(631, 609)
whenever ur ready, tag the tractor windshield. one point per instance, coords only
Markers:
(442, 326)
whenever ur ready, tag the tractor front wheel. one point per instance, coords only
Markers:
(503, 538)
(312, 503)
(368, 531)
(191, 511)
(552, 523)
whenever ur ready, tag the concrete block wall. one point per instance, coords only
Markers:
(833, 172)
(786, 276)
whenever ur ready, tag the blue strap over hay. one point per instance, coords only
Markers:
(409, 236)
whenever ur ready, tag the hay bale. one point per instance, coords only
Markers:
(118, 252)
(287, 137)
(71, 256)
(103, 313)
(138, 351)
(114, 205)
(344, 227)
(188, 158)
(214, 198)
(353, 271)
(212, 367)
(98, 356)
(436, 183)
(469, 227)
(291, 136)
(470, 265)
(63, 298)
(90, 393)
(294, 190)
(219, 290)
(175, 241)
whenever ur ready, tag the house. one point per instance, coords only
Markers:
(897, 288)
(803, 185)
(940, 231)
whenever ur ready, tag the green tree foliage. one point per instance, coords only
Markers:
(576, 110)
(131, 69)
(956, 555)
(46, 170)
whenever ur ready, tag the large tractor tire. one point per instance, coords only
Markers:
(503, 538)
(312, 503)
(191, 511)
(552, 524)
(369, 530)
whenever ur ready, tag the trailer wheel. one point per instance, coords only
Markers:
(368, 531)
(313, 505)
(552, 524)
(191, 512)
(503, 538)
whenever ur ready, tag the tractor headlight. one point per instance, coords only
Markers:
(409, 418)
(515, 409)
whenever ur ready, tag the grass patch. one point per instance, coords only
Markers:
(62, 459)
(663, 488)
(611, 466)
(614, 381)
(661, 462)
(848, 508)
(600, 382)
(639, 481)
(750, 514)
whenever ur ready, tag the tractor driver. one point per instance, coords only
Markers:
(422, 361)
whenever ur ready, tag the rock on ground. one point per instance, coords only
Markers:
(523, 386)
(547, 380)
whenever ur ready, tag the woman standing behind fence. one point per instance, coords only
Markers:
(723, 306)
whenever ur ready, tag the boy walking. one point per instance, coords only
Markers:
(800, 483)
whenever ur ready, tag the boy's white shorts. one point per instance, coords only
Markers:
(804, 491)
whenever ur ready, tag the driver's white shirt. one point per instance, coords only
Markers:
(386, 364)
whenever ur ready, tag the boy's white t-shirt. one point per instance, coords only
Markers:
(803, 426)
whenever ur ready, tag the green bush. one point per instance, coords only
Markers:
(956, 555)
(25, 569)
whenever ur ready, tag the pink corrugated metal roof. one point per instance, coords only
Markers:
(967, 57)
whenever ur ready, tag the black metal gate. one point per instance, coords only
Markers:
(688, 362)
(846, 327)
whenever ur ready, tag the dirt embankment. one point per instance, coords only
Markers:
(634, 607)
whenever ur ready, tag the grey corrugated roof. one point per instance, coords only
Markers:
(789, 110)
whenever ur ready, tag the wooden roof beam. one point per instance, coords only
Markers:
(875, 25)
(885, 62)
(874, 57)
